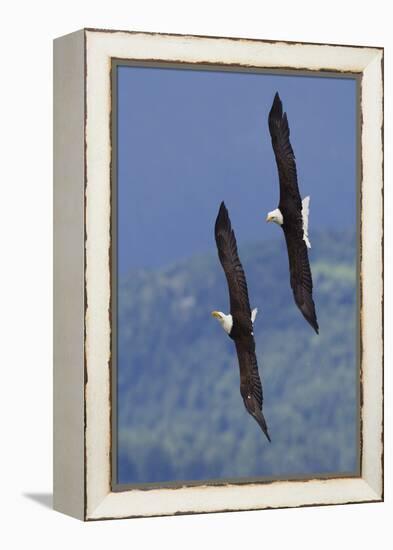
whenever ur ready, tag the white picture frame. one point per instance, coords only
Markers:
(82, 258)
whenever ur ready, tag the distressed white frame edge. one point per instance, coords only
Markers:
(69, 268)
(100, 501)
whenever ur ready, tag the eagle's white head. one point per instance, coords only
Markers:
(225, 321)
(275, 216)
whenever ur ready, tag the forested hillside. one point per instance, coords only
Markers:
(180, 413)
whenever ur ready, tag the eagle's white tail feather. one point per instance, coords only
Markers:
(254, 314)
(305, 212)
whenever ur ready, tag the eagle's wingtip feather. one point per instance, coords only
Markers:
(223, 216)
(276, 109)
(262, 423)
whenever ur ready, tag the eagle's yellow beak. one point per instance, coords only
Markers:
(216, 314)
(268, 218)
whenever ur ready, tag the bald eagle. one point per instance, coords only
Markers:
(238, 324)
(292, 214)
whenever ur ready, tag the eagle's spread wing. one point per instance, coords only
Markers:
(300, 276)
(285, 158)
(250, 385)
(229, 258)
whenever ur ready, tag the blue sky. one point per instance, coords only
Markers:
(188, 139)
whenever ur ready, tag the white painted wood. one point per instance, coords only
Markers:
(68, 435)
(100, 48)
(233, 497)
(371, 271)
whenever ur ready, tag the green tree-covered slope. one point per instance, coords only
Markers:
(180, 413)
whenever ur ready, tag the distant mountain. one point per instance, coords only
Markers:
(180, 413)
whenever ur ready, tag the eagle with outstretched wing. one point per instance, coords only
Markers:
(238, 324)
(292, 214)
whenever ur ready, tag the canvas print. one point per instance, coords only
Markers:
(236, 328)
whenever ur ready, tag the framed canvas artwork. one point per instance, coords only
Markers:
(218, 274)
